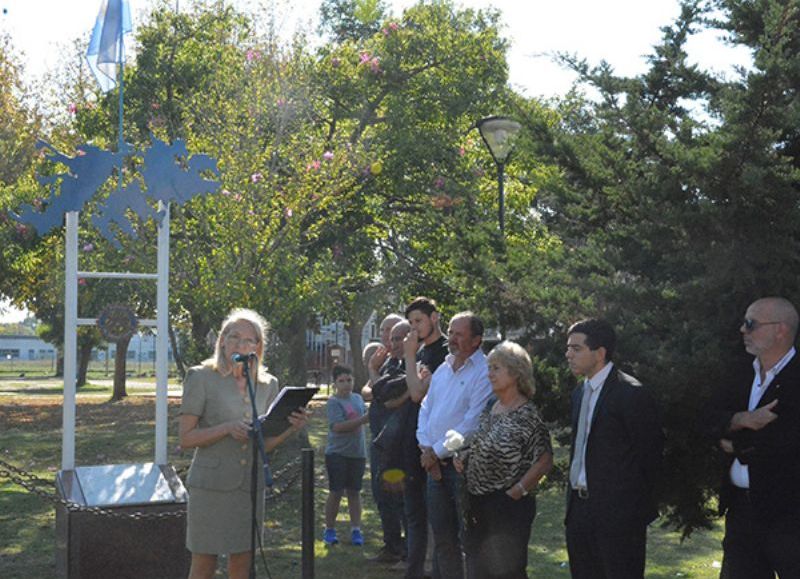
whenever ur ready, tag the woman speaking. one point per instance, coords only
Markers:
(216, 420)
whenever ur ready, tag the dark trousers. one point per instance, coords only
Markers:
(416, 522)
(390, 504)
(496, 536)
(596, 552)
(757, 548)
(444, 514)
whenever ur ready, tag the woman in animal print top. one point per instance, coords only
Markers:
(503, 462)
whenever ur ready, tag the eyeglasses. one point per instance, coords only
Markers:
(751, 325)
(237, 339)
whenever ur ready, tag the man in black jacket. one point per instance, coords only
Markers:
(617, 446)
(757, 424)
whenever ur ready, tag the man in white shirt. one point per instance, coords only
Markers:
(757, 423)
(457, 395)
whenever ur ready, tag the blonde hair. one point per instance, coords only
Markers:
(219, 360)
(515, 359)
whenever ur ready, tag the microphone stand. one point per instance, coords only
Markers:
(258, 449)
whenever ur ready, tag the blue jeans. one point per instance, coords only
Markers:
(444, 513)
(416, 522)
(390, 505)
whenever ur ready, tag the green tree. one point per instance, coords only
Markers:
(678, 208)
(19, 122)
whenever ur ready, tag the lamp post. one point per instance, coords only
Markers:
(499, 134)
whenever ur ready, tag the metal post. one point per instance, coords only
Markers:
(308, 513)
(501, 219)
(70, 340)
(162, 335)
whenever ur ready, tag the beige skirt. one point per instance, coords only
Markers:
(218, 522)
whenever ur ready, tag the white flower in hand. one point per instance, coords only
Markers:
(453, 441)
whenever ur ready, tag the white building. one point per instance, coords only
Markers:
(17, 347)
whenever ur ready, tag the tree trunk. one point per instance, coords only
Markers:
(173, 340)
(120, 369)
(357, 316)
(60, 364)
(355, 327)
(84, 356)
(296, 342)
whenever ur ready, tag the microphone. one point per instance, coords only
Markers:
(243, 357)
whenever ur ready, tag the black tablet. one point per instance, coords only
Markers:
(289, 399)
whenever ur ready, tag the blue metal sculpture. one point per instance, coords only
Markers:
(168, 172)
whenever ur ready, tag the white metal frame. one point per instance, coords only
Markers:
(72, 321)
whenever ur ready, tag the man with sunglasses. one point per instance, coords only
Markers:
(757, 423)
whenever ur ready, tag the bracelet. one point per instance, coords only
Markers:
(523, 489)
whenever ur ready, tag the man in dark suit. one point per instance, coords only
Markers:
(617, 445)
(757, 424)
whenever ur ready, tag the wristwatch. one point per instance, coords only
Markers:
(523, 489)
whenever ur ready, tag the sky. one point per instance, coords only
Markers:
(622, 32)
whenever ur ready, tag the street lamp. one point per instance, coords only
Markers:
(499, 134)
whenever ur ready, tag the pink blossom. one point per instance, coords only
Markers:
(328, 155)
(439, 182)
(375, 65)
(391, 27)
(226, 193)
(87, 247)
(281, 102)
(252, 55)
(72, 108)
(237, 197)
(462, 151)
(313, 165)
(82, 281)
(335, 62)
(38, 203)
(256, 177)
(155, 106)
(365, 58)
(21, 229)
(80, 153)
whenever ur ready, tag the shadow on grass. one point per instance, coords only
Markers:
(124, 433)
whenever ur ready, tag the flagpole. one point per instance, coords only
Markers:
(121, 144)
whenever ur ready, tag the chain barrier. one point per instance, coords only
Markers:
(40, 487)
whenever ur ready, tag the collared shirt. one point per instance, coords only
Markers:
(740, 473)
(454, 401)
(596, 384)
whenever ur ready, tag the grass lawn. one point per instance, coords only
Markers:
(30, 422)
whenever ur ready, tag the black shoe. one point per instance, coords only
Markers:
(385, 555)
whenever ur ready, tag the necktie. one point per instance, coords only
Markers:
(580, 438)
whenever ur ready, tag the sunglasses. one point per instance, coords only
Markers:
(750, 325)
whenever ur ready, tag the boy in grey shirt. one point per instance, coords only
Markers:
(345, 455)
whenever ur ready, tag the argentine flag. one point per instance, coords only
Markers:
(106, 48)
